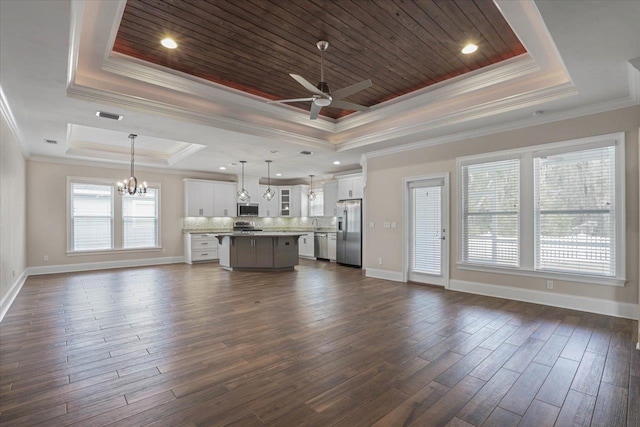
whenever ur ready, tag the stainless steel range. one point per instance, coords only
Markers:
(245, 227)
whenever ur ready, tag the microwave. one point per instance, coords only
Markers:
(247, 209)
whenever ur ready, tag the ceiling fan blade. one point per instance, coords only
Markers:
(350, 90)
(315, 110)
(348, 105)
(290, 100)
(304, 82)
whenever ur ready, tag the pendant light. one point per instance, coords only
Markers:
(130, 185)
(311, 195)
(269, 193)
(243, 195)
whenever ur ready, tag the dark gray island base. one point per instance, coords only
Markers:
(261, 251)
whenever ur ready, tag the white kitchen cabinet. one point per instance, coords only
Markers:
(224, 199)
(284, 197)
(198, 197)
(306, 246)
(200, 247)
(268, 208)
(299, 200)
(331, 198)
(209, 198)
(331, 243)
(350, 187)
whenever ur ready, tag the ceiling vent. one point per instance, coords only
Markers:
(51, 141)
(108, 115)
(306, 153)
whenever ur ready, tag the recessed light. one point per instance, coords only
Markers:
(470, 48)
(337, 162)
(169, 43)
(306, 153)
(222, 168)
(278, 174)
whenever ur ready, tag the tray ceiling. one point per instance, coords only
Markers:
(253, 45)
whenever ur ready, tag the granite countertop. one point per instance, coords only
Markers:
(271, 230)
(263, 234)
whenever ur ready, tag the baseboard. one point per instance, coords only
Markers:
(573, 302)
(8, 299)
(87, 266)
(396, 276)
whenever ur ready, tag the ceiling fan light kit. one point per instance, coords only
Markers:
(322, 95)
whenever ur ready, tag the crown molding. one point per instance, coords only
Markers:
(10, 120)
(514, 125)
(487, 109)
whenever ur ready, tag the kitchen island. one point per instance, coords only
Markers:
(259, 251)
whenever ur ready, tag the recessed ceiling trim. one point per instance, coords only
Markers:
(480, 111)
(185, 152)
(10, 120)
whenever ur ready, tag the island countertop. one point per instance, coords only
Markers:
(262, 234)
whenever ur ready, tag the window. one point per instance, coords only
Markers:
(100, 220)
(91, 217)
(491, 193)
(316, 206)
(551, 211)
(140, 220)
(575, 212)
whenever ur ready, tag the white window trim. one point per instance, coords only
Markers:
(527, 248)
(116, 219)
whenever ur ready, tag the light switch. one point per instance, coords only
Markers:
(393, 224)
(386, 224)
(372, 224)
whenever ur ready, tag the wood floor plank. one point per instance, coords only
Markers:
(520, 396)
(577, 410)
(189, 345)
(611, 406)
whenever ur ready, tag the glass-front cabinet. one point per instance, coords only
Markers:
(285, 201)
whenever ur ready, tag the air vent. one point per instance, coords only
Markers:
(108, 115)
(306, 153)
(51, 141)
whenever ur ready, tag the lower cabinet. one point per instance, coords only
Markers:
(256, 252)
(306, 246)
(200, 247)
(331, 239)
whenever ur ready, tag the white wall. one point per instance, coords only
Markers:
(384, 199)
(12, 216)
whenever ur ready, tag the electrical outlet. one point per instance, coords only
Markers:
(394, 224)
(380, 260)
(372, 224)
(45, 258)
(549, 284)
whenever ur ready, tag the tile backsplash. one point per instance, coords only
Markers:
(280, 223)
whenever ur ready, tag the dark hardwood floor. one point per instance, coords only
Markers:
(198, 345)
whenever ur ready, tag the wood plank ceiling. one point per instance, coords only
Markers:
(253, 45)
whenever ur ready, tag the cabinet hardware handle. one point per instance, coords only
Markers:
(205, 254)
(205, 243)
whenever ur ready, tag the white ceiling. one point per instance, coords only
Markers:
(56, 71)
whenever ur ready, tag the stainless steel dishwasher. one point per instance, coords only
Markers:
(321, 246)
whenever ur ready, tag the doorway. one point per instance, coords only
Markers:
(426, 230)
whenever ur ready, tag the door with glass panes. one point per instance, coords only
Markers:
(428, 218)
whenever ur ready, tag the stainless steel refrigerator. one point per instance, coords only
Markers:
(349, 232)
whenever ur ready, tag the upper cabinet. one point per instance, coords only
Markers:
(268, 208)
(331, 198)
(294, 201)
(209, 198)
(285, 201)
(350, 187)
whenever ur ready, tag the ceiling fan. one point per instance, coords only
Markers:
(322, 96)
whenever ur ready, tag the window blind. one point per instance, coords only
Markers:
(91, 217)
(491, 213)
(427, 230)
(140, 220)
(575, 212)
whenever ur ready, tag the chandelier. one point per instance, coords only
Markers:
(243, 195)
(130, 185)
(311, 195)
(269, 193)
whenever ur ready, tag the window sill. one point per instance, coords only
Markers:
(113, 251)
(592, 280)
